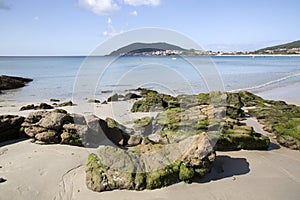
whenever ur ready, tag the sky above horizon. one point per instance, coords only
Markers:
(77, 27)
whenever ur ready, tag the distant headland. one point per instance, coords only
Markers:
(165, 49)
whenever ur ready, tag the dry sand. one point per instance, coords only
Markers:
(57, 172)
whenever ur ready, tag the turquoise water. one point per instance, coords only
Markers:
(98, 77)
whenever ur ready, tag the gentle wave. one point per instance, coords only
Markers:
(267, 84)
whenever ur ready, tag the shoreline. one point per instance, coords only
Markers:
(250, 174)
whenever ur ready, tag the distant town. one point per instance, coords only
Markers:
(164, 49)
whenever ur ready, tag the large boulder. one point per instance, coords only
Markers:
(54, 120)
(149, 166)
(10, 126)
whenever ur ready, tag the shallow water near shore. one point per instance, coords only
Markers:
(55, 77)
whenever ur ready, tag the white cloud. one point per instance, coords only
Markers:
(99, 7)
(4, 5)
(36, 18)
(109, 21)
(135, 13)
(142, 2)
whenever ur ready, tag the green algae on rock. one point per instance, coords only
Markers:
(112, 168)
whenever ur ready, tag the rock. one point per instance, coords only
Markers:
(42, 106)
(67, 103)
(10, 127)
(28, 107)
(11, 82)
(112, 98)
(112, 168)
(145, 91)
(134, 140)
(93, 101)
(35, 117)
(143, 126)
(31, 131)
(2, 180)
(199, 150)
(52, 127)
(49, 136)
(129, 96)
(153, 102)
(115, 132)
(277, 117)
(54, 100)
(92, 134)
(58, 110)
(54, 120)
(45, 106)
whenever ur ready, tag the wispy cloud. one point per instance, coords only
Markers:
(111, 29)
(4, 5)
(135, 13)
(36, 18)
(142, 2)
(99, 7)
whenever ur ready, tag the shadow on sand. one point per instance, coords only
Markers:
(225, 167)
(9, 142)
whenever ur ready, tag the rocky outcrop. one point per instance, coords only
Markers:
(60, 127)
(10, 127)
(41, 106)
(47, 127)
(241, 137)
(11, 82)
(154, 101)
(216, 113)
(277, 117)
(159, 166)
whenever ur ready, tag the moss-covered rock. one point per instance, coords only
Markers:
(186, 173)
(149, 166)
(67, 103)
(281, 119)
(154, 102)
(114, 97)
(42, 106)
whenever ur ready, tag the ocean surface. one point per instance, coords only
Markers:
(81, 78)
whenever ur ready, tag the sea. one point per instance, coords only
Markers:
(81, 78)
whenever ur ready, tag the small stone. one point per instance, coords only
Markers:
(2, 180)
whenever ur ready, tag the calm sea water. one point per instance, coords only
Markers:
(97, 77)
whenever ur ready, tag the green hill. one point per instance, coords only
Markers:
(140, 48)
(295, 44)
(288, 48)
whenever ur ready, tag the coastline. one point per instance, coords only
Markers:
(288, 93)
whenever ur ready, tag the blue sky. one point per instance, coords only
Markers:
(76, 27)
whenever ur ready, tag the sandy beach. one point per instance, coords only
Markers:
(56, 172)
